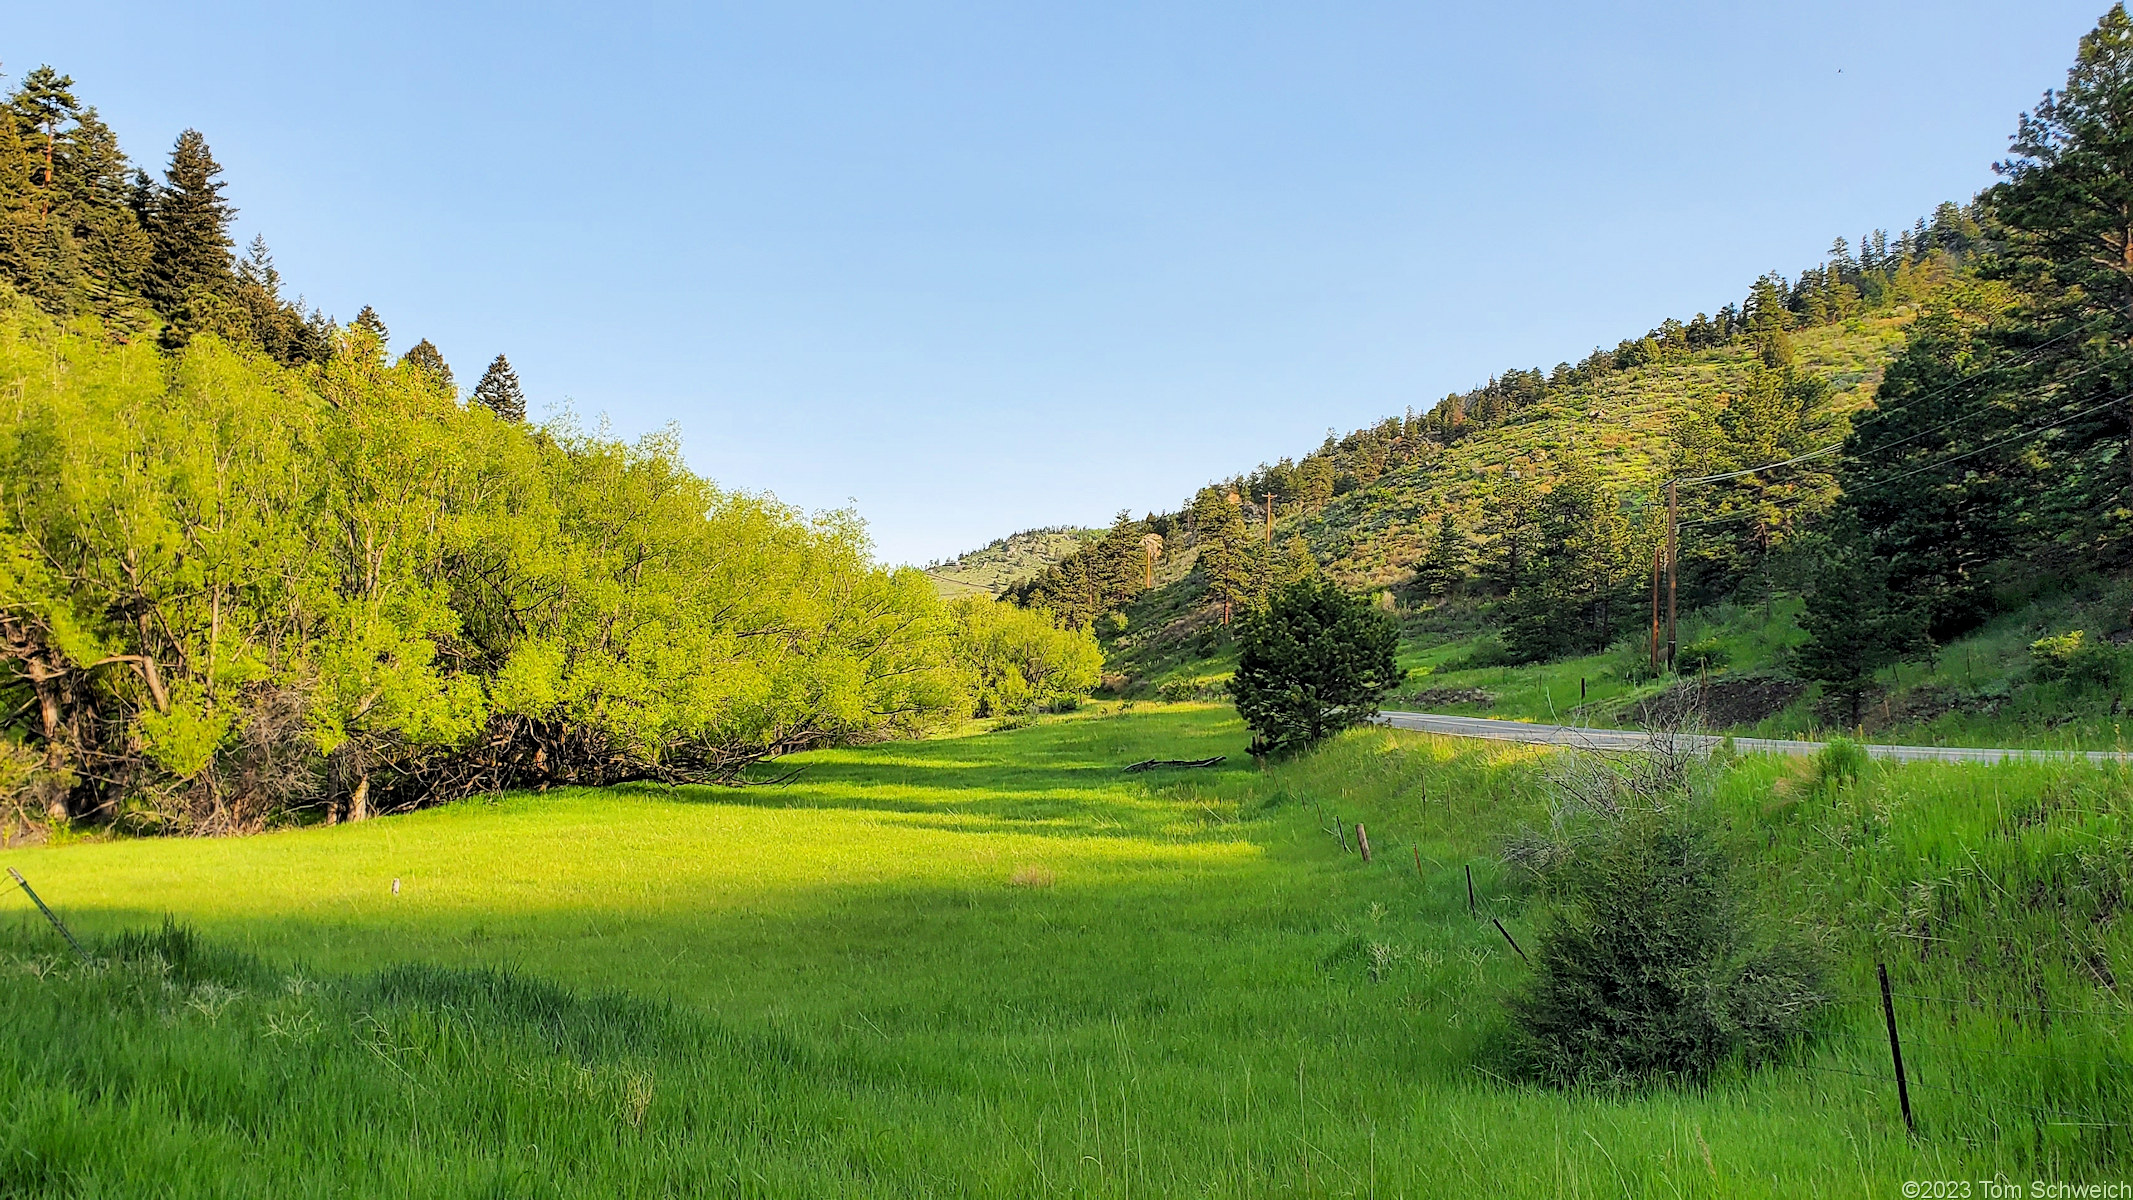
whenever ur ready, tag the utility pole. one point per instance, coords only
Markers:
(1270, 516)
(1658, 556)
(1673, 566)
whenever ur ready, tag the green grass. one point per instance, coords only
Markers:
(994, 965)
(1592, 690)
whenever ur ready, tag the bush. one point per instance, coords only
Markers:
(1705, 657)
(1651, 962)
(1489, 652)
(1177, 691)
(2071, 657)
(1314, 662)
(1016, 659)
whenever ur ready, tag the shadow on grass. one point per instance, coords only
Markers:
(1033, 779)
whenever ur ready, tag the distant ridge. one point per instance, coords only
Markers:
(1000, 564)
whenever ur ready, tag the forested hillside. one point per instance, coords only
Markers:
(1915, 434)
(1541, 494)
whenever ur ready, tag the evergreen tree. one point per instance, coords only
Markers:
(1855, 626)
(1312, 663)
(370, 323)
(1448, 561)
(189, 226)
(40, 107)
(499, 392)
(427, 358)
(1293, 565)
(2069, 184)
(1576, 587)
(1227, 551)
(115, 249)
(2000, 440)
(1098, 578)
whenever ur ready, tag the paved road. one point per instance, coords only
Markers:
(1635, 739)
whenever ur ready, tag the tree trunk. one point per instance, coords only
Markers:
(359, 801)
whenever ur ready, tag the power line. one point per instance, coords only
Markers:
(1919, 470)
(2013, 437)
(2023, 360)
(1883, 413)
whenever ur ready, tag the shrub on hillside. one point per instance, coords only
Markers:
(1488, 652)
(2075, 659)
(1702, 657)
(1315, 661)
(1177, 691)
(1652, 962)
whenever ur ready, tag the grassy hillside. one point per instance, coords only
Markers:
(995, 567)
(995, 965)
(1984, 689)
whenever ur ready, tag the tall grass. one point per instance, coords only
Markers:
(996, 966)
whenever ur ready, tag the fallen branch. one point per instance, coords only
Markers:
(1150, 764)
(780, 781)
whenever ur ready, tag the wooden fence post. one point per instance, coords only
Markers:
(1362, 841)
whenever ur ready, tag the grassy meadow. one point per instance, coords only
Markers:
(995, 965)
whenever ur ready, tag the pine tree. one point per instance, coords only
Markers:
(499, 392)
(1448, 561)
(2070, 183)
(371, 323)
(1227, 551)
(1855, 626)
(1294, 564)
(426, 358)
(44, 103)
(1313, 662)
(189, 226)
(115, 249)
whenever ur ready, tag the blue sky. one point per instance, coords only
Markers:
(977, 268)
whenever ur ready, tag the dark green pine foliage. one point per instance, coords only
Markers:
(1098, 578)
(189, 227)
(68, 238)
(425, 357)
(83, 233)
(369, 322)
(1581, 579)
(1448, 561)
(2062, 214)
(1230, 559)
(2069, 185)
(1855, 626)
(1999, 452)
(1929, 508)
(277, 326)
(1650, 963)
(1313, 662)
(499, 392)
